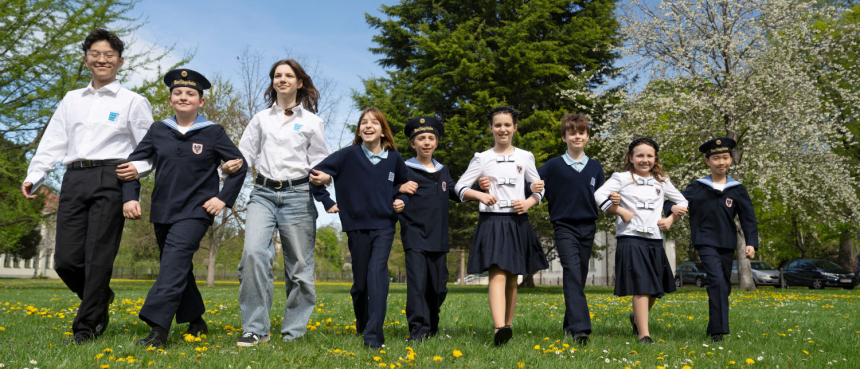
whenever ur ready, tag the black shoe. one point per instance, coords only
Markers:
(103, 324)
(581, 338)
(197, 327)
(251, 339)
(716, 338)
(633, 323)
(157, 337)
(646, 339)
(503, 335)
(83, 337)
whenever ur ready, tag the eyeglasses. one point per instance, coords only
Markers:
(95, 55)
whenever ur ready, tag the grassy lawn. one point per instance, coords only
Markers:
(771, 328)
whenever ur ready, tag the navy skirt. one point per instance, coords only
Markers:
(642, 268)
(508, 241)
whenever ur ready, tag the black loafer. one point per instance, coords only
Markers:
(503, 335)
(83, 337)
(581, 338)
(716, 338)
(646, 340)
(196, 328)
(156, 338)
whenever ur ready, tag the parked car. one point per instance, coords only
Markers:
(816, 274)
(763, 273)
(690, 272)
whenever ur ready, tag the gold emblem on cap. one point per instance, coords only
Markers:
(719, 142)
(184, 74)
(422, 120)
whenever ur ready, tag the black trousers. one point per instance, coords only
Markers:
(89, 228)
(718, 265)
(175, 291)
(426, 276)
(573, 244)
(370, 250)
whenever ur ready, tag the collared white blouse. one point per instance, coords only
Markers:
(508, 175)
(643, 197)
(91, 124)
(284, 149)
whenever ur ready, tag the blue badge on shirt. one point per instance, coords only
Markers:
(391, 176)
(592, 181)
(112, 116)
(297, 127)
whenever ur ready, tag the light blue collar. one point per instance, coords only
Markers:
(371, 155)
(414, 163)
(730, 182)
(199, 122)
(578, 165)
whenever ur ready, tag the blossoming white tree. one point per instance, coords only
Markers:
(758, 71)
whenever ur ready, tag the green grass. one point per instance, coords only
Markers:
(776, 328)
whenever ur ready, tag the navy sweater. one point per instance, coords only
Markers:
(571, 193)
(424, 221)
(712, 214)
(186, 171)
(365, 191)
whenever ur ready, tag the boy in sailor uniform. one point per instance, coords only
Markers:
(424, 228)
(714, 201)
(187, 149)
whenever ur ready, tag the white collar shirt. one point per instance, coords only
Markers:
(90, 124)
(644, 197)
(508, 175)
(284, 149)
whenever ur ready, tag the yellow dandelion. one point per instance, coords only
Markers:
(437, 358)
(99, 356)
(377, 358)
(537, 347)
(382, 365)
(105, 366)
(686, 367)
(806, 352)
(107, 350)
(750, 361)
(189, 338)
(731, 362)
(457, 353)
(521, 364)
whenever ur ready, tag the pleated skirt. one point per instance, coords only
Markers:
(508, 241)
(642, 268)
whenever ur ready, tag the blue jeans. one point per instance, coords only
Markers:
(292, 211)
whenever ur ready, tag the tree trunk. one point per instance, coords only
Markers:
(846, 251)
(462, 267)
(745, 279)
(36, 267)
(132, 272)
(210, 272)
(528, 281)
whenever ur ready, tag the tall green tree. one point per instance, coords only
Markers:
(458, 59)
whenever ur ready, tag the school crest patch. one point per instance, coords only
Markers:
(297, 127)
(592, 181)
(519, 169)
(729, 202)
(444, 186)
(659, 191)
(197, 148)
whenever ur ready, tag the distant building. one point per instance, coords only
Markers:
(43, 264)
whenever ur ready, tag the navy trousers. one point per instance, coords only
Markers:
(175, 291)
(718, 265)
(426, 276)
(370, 249)
(573, 244)
(89, 229)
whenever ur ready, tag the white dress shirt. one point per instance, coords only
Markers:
(643, 197)
(508, 175)
(284, 150)
(91, 124)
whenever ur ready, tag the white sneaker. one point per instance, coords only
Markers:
(251, 339)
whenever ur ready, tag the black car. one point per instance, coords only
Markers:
(763, 274)
(690, 272)
(816, 274)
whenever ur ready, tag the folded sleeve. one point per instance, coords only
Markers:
(601, 196)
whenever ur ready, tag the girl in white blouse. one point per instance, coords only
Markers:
(504, 243)
(641, 266)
